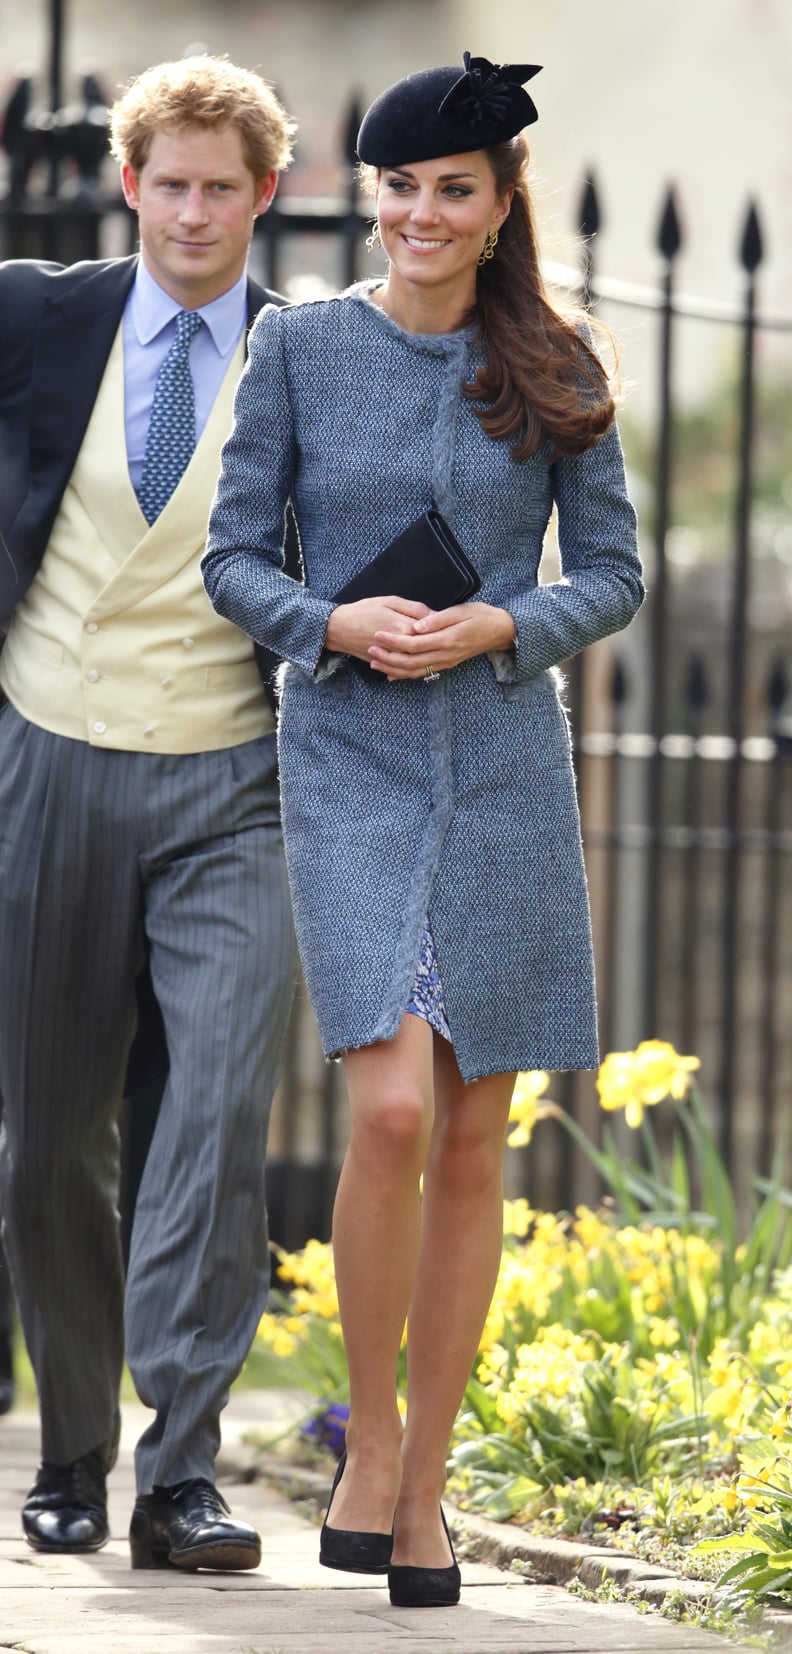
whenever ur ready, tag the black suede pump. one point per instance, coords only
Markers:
(349, 1551)
(425, 1587)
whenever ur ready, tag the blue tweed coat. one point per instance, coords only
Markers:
(453, 798)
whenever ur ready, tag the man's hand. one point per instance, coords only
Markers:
(440, 640)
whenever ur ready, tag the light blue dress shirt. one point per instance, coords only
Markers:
(149, 325)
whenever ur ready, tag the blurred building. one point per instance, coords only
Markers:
(691, 94)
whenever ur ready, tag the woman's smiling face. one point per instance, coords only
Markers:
(434, 217)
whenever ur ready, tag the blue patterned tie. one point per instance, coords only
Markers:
(171, 433)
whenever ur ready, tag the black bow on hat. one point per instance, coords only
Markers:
(440, 112)
(490, 93)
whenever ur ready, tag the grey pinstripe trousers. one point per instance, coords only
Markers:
(102, 852)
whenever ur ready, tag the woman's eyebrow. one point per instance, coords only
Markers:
(444, 177)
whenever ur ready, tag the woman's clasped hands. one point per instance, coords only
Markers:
(403, 639)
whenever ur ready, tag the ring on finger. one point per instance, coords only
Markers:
(431, 675)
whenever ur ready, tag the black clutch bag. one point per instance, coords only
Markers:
(425, 563)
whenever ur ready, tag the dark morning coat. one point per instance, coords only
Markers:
(57, 326)
(454, 798)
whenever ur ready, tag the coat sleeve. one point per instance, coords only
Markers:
(20, 301)
(20, 306)
(601, 586)
(243, 566)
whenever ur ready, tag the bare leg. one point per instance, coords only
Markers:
(461, 1239)
(376, 1238)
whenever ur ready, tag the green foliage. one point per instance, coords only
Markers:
(660, 1189)
(763, 1568)
(610, 1423)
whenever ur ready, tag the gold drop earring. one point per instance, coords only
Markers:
(488, 250)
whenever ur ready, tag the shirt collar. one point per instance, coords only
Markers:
(152, 308)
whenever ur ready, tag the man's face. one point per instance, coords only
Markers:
(196, 200)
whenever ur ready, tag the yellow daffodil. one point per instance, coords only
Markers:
(662, 1072)
(616, 1080)
(526, 1109)
(637, 1080)
(276, 1336)
(313, 1275)
(663, 1335)
(591, 1229)
(780, 1422)
(517, 1218)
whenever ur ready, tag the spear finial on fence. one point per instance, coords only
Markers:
(589, 216)
(751, 247)
(669, 235)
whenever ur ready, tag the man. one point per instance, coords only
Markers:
(138, 820)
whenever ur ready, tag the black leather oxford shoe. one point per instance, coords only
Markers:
(66, 1509)
(190, 1526)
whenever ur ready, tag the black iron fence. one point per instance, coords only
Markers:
(689, 837)
(682, 732)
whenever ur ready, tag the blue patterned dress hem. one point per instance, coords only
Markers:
(426, 995)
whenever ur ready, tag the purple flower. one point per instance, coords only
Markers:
(328, 1427)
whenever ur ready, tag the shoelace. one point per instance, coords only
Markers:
(200, 1493)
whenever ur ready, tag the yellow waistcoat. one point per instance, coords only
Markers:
(115, 641)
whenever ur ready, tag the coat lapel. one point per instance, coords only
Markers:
(74, 339)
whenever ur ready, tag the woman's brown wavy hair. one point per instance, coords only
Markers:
(542, 380)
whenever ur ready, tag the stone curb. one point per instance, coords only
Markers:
(542, 1560)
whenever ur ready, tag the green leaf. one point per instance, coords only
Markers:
(680, 1180)
(754, 1559)
(728, 1542)
(716, 1184)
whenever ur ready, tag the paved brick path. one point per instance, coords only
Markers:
(97, 1605)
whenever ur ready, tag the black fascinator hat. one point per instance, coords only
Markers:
(440, 112)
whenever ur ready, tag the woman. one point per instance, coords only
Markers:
(429, 805)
